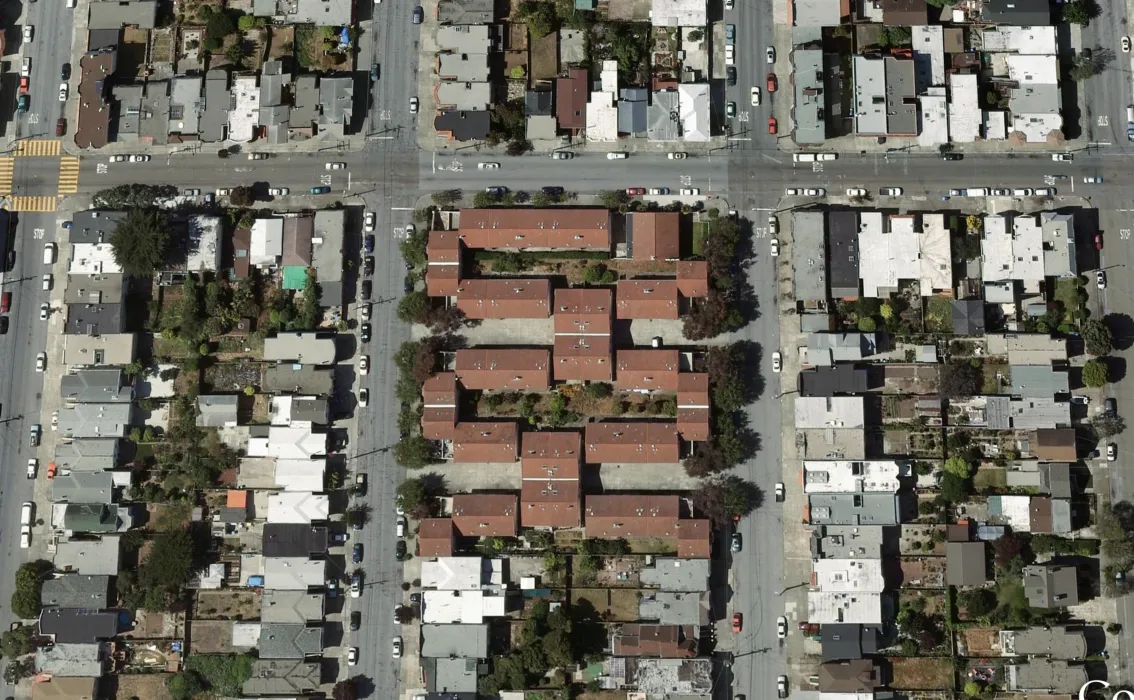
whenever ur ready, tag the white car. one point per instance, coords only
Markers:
(791, 192)
(777, 362)
(355, 587)
(773, 224)
(363, 397)
(400, 526)
(815, 192)
(755, 97)
(257, 156)
(193, 192)
(397, 647)
(1080, 400)
(29, 32)
(1125, 44)
(364, 364)
(1001, 192)
(487, 166)
(139, 159)
(1062, 156)
(775, 248)
(890, 191)
(44, 310)
(770, 52)
(781, 627)
(334, 166)
(279, 191)
(25, 536)
(856, 192)
(118, 159)
(223, 192)
(781, 687)
(616, 156)
(41, 362)
(1045, 191)
(364, 312)
(691, 191)
(780, 492)
(728, 4)
(1022, 192)
(678, 156)
(63, 92)
(413, 105)
(25, 67)
(562, 155)
(1100, 279)
(352, 656)
(730, 55)
(1111, 452)
(659, 190)
(410, 229)
(1092, 180)
(55, 420)
(33, 464)
(368, 222)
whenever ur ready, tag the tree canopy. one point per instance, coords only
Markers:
(172, 559)
(140, 241)
(1095, 373)
(1096, 337)
(960, 379)
(723, 498)
(132, 196)
(29, 582)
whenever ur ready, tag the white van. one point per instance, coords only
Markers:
(1023, 192)
(615, 156)
(1130, 114)
(26, 513)
(1045, 191)
(804, 157)
(48, 253)
(976, 192)
(47, 279)
(828, 156)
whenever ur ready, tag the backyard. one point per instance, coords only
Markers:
(922, 673)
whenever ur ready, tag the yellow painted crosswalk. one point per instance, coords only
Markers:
(68, 175)
(38, 147)
(22, 203)
(7, 166)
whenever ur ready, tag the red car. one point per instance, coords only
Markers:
(1098, 241)
(635, 191)
(737, 622)
(5, 302)
(772, 126)
(24, 83)
(771, 82)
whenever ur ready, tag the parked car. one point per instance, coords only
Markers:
(1100, 279)
(413, 105)
(44, 311)
(355, 585)
(815, 192)
(418, 15)
(400, 550)
(364, 333)
(1093, 180)
(279, 191)
(777, 361)
(781, 627)
(257, 156)
(562, 155)
(782, 687)
(773, 126)
(677, 155)
(616, 156)
(779, 492)
(400, 526)
(363, 400)
(953, 156)
(774, 248)
(137, 158)
(352, 656)
(368, 244)
(487, 166)
(736, 543)
(356, 554)
(1110, 407)
(1062, 157)
(1111, 452)
(41, 362)
(770, 53)
(355, 620)
(691, 192)
(856, 192)
(33, 466)
(364, 365)
(635, 191)
(23, 104)
(374, 72)
(368, 265)
(890, 191)
(1098, 241)
(29, 34)
(367, 288)
(773, 224)
(1125, 44)
(368, 222)
(730, 75)
(397, 645)
(34, 434)
(730, 110)
(772, 82)
(659, 190)
(737, 622)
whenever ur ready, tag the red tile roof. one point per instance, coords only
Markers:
(435, 538)
(583, 311)
(646, 370)
(647, 299)
(504, 298)
(443, 246)
(571, 95)
(632, 442)
(693, 278)
(582, 358)
(695, 539)
(693, 406)
(632, 515)
(551, 504)
(654, 235)
(536, 229)
(655, 641)
(550, 495)
(498, 368)
(442, 279)
(485, 442)
(485, 514)
(439, 412)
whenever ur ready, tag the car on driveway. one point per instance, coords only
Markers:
(772, 82)
(777, 361)
(1100, 279)
(737, 622)
(1080, 400)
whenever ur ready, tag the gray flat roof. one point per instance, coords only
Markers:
(299, 379)
(810, 97)
(296, 607)
(327, 255)
(83, 487)
(217, 102)
(663, 119)
(107, 14)
(683, 575)
(1038, 381)
(809, 255)
(674, 608)
(302, 348)
(94, 225)
(456, 641)
(853, 509)
(93, 557)
(76, 591)
(95, 386)
(94, 420)
(94, 319)
(185, 104)
(290, 641)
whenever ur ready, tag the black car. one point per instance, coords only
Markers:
(367, 287)
(374, 72)
(364, 333)
(953, 156)
(415, 597)
(552, 190)
(407, 284)
(368, 243)
(65, 73)
(11, 261)
(1111, 407)
(355, 621)
(418, 15)
(368, 265)
(356, 554)
(3, 324)
(730, 75)
(400, 550)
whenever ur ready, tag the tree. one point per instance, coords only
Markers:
(1095, 373)
(1107, 425)
(185, 685)
(403, 614)
(978, 602)
(413, 247)
(170, 563)
(711, 316)
(557, 648)
(235, 53)
(345, 690)
(954, 489)
(867, 325)
(959, 379)
(1010, 548)
(696, 35)
(724, 498)
(612, 199)
(541, 200)
(133, 196)
(972, 688)
(958, 466)
(729, 377)
(241, 196)
(219, 24)
(413, 452)
(1096, 337)
(539, 16)
(446, 198)
(599, 274)
(414, 308)
(518, 147)
(886, 312)
(29, 582)
(17, 641)
(140, 241)
(482, 200)
(1077, 12)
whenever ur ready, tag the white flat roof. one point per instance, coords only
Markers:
(906, 252)
(93, 259)
(829, 412)
(838, 608)
(847, 576)
(964, 108)
(1024, 40)
(1011, 256)
(298, 507)
(466, 607)
(602, 118)
(245, 114)
(1033, 70)
(934, 117)
(1016, 511)
(845, 476)
(453, 573)
(930, 42)
(300, 474)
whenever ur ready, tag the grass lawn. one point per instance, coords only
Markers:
(939, 315)
(1010, 592)
(1067, 292)
(143, 451)
(700, 232)
(990, 478)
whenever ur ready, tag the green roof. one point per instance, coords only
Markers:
(295, 277)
